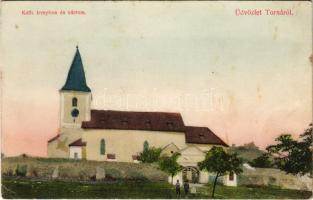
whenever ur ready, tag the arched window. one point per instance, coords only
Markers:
(102, 147)
(145, 145)
(74, 102)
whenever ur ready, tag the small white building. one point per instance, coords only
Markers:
(76, 149)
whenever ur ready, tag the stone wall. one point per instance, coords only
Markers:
(80, 169)
(274, 177)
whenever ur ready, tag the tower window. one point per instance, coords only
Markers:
(74, 102)
(102, 147)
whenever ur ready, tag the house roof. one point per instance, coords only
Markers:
(190, 147)
(127, 120)
(78, 143)
(54, 138)
(151, 121)
(170, 144)
(202, 135)
(76, 80)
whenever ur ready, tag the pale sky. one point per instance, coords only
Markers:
(248, 78)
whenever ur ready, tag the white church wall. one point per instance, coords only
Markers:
(190, 156)
(126, 143)
(203, 177)
(169, 150)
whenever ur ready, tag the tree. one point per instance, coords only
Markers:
(150, 155)
(292, 156)
(169, 164)
(220, 162)
(263, 161)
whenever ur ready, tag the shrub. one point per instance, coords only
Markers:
(150, 155)
(169, 165)
(21, 170)
(262, 161)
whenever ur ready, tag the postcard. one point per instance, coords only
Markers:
(156, 99)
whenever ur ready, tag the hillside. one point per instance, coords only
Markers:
(247, 151)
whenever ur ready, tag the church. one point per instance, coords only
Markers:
(119, 136)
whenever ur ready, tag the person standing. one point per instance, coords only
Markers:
(177, 188)
(186, 188)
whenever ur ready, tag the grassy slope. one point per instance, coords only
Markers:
(17, 188)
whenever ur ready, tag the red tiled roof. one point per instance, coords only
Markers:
(127, 120)
(54, 138)
(78, 143)
(152, 121)
(202, 135)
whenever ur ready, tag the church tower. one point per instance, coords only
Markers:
(75, 96)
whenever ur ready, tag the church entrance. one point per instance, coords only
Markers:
(190, 174)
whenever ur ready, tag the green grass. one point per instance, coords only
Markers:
(26, 188)
(242, 192)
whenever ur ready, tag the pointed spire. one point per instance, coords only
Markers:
(76, 80)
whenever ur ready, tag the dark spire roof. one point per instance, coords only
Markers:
(76, 80)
